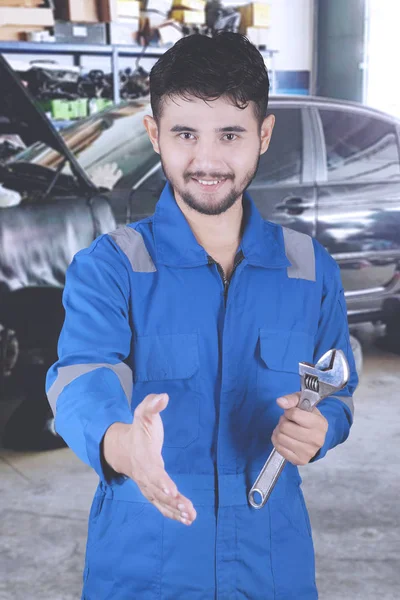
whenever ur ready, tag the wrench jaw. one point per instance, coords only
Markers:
(329, 375)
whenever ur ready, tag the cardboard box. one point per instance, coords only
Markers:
(118, 10)
(122, 33)
(80, 33)
(189, 4)
(80, 11)
(21, 3)
(16, 34)
(31, 17)
(192, 17)
(255, 15)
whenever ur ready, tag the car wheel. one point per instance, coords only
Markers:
(390, 341)
(31, 425)
(9, 351)
(357, 353)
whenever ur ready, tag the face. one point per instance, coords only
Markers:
(209, 150)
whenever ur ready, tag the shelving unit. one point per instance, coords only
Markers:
(77, 51)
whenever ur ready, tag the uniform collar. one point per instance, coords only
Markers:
(176, 246)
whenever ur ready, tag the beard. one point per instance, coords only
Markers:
(214, 207)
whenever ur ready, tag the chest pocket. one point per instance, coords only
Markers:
(170, 364)
(279, 354)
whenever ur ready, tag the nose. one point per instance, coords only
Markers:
(207, 158)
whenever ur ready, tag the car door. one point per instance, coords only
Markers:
(358, 175)
(283, 188)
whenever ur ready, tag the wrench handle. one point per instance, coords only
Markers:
(267, 479)
(272, 469)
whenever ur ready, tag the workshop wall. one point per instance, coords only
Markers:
(340, 49)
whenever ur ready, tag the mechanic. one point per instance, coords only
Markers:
(179, 356)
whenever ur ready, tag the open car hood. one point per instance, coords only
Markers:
(20, 116)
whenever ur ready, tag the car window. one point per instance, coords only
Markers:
(359, 147)
(282, 162)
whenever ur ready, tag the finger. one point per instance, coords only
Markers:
(294, 431)
(156, 497)
(173, 498)
(289, 400)
(301, 451)
(181, 508)
(306, 419)
(175, 501)
(166, 512)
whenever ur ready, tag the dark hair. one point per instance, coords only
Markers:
(227, 64)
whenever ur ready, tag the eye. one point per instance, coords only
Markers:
(232, 135)
(185, 133)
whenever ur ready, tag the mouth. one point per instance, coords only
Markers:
(209, 186)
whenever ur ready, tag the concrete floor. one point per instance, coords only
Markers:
(352, 496)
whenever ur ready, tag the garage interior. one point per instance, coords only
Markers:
(74, 76)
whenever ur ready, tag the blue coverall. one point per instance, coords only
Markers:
(148, 311)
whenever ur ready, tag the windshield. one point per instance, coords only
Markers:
(113, 139)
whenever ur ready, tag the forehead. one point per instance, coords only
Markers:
(205, 113)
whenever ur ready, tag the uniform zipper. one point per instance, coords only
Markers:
(238, 259)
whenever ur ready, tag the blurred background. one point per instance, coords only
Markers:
(75, 162)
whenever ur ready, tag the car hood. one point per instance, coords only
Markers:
(19, 115)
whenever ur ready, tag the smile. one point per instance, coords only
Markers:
(210, 185)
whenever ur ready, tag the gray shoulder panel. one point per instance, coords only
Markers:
(299, 249)
(132, 244)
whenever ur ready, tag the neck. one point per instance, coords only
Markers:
(219, 235)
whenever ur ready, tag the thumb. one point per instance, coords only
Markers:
(157, 402)
(289, 400)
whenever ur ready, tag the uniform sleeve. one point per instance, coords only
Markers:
(333, 333)
(89, 388)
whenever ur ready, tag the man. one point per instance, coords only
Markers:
(182, 333)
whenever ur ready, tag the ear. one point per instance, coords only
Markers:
(152, 130)
(266, 132)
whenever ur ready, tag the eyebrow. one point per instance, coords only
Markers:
(230, 129)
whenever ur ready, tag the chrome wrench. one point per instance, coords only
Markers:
(329, 375)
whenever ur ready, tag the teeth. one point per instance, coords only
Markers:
(208, 182)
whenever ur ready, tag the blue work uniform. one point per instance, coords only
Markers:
(148, 310)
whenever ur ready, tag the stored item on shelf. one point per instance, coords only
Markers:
(65, 110)
(95, 84)
(96, 105)
(258, 35)
(39, 36)
(194, 17)
(16, 34)
(256, 14)
(122, 33)
(31, 17)
(118, 10)
(161, 6)
(84, 11)
(189, 4)
(80, 33)
(21, 3)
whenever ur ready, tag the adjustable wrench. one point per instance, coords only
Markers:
(329, 375)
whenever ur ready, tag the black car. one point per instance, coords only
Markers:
(332, 171)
